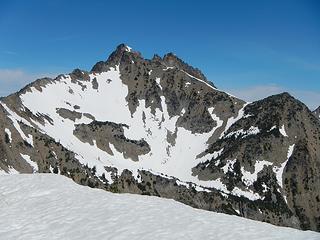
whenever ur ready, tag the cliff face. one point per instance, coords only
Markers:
(159, 127)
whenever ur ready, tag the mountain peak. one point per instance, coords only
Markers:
(169, 60)
(116, 55)
(123, 48)
(114, 58)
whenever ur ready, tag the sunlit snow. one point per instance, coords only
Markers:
(48, 206)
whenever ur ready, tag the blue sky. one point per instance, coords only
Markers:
(249, 48)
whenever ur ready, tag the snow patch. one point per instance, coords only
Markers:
(128, 49)
(158, 82)
(15, 118)
(210, 156)
(244, 133)
(167, 68)
(215, 118)
(228, 166)
(249, 178)
(279, 170)
(33, 164)
(232, 120)
(265, 187)
(283, 131)
(273, 127)
(248, 194)
(12, 170)
(7, 131)
(200, 80)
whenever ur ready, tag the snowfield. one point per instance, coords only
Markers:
(48, 206)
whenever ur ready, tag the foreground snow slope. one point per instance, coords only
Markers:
(45, 206)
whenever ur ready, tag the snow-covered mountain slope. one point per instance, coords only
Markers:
(159, 127)
(47, 206)
(108, 103)
(73, 101)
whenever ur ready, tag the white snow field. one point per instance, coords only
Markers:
(48, 206)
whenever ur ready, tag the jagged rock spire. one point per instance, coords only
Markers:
(113, 59)
(169, 60)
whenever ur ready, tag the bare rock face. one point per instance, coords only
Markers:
(171, 60)
(66, 113)
(159, 127)
(105, 133)
(317, 113)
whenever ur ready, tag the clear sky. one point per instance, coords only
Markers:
(249, 48)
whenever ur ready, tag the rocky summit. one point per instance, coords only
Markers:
(159, 127)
